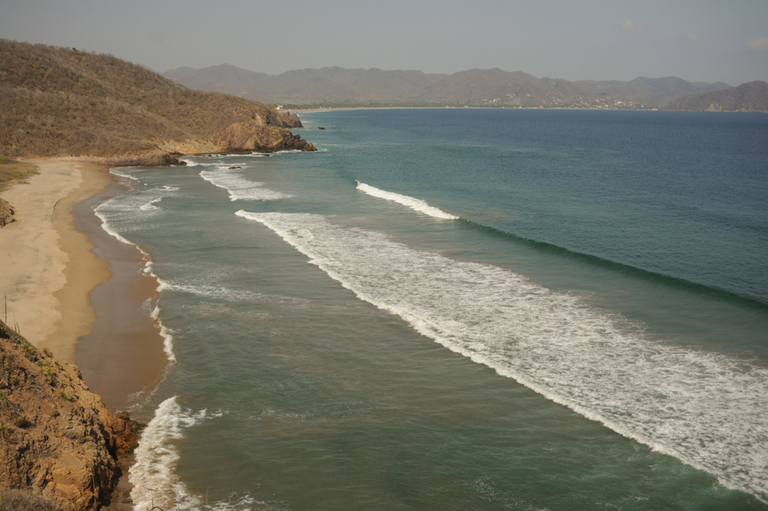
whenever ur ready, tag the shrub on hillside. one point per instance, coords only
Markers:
(25, 500)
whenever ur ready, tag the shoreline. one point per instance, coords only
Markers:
(56, 263)
(123, 356)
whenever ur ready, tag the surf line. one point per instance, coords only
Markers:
(416, 204)
(678, 401)
(101, 213)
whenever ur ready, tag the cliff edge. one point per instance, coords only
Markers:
(57, 438)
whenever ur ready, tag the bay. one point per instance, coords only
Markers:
(462, 309)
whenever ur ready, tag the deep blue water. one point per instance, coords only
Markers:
(462, 309)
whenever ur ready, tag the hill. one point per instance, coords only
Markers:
(747, 97)
(65, 102)
(335, 86)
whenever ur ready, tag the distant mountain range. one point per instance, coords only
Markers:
(335, 86)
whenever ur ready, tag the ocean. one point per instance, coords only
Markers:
(460, 309)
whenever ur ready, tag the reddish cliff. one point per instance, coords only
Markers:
(56, 437)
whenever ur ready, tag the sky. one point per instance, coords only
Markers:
(697, 40)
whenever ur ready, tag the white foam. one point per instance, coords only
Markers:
(125, 210)
(706, 409)
(415, 204)
(209, 291)
(124, 172)
(109, 230)
(153, 475)
(165, 333)
(238, 187)
(122, 208)
(189, 161)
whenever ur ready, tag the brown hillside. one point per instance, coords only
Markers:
(61, 102)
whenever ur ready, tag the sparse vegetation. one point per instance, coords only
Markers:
(6, 434)
(61, 102)
(20, 421)
(48, 372)
(29, 351)
(25, 500)
(40, 422)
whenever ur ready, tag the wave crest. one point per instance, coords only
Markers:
(416, 204)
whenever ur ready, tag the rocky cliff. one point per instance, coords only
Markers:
(56, 437)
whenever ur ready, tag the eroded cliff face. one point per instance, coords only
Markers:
(56, 437)
(260, 130)
(254, 136)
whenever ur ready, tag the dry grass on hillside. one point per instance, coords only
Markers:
(60, 101)
(25, 500)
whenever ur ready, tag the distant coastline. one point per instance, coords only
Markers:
(335, 87)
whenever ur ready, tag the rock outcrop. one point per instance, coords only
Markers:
(57, 438)
(6, 213)
(253, 136)
(291, 120)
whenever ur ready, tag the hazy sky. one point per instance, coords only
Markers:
(697, 40)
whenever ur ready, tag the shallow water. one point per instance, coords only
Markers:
(462, 309)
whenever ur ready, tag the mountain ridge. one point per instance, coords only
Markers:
(336, 86)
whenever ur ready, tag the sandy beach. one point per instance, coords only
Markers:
(49, 268)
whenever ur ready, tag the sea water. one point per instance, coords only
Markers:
(461, 309)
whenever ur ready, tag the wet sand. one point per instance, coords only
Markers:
(123, 356)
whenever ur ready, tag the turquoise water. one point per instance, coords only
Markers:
(462, 309)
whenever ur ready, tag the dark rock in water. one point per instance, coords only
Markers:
(320, 128)
(233, 168)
